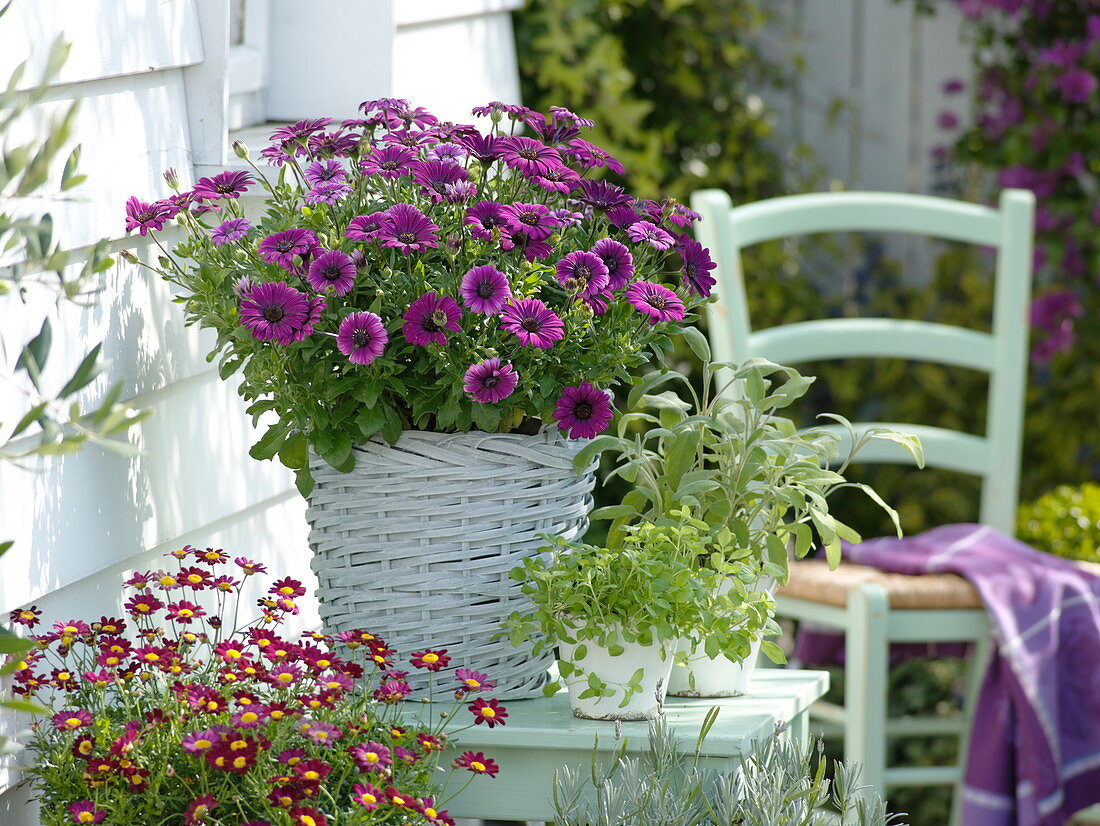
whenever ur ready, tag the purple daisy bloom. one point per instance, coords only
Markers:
(364, 227)
(490, 381)
(330, 193)
(651, 234)
(232, 230)
(696, 267)
(568, 217)
(275, 312)
(514, 239)
(389, 162)
(223, 185)
(338, 144)
(534, 324)
(485, 148)
(618, 260)
(597, 303)
(563, 180)
(589, 155)
(281, 247)
(409, 138)
(529, 157)
(446, 152)
(362, 337)
(601, 195)
(657, 302)
(434, 176)
(583, 273)
(623, 216)
(144, 217)
(323, 172)
(583, 411)
(485, 290)
(533, 219)
(683, 217)
(293, 135)
(459, 191)
(408, 229)
(484, 216)
(332, 269)
(429, 317)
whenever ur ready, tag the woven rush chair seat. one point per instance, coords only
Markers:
(811, 580)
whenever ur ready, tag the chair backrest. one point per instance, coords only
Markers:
(1002, 354)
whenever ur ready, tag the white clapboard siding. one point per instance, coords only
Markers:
(472, 38)
(868, 99)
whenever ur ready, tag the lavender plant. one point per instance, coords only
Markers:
(413, 274)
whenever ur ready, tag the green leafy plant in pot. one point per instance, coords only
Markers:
(726, 452)
(618, 614)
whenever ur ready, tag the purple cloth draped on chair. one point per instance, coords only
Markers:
(1035, 744)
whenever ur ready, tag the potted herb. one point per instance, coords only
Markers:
(727, 452)
(617, 614)
(428, 315)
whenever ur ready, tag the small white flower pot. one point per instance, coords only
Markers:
(720, 677)
(655, 661)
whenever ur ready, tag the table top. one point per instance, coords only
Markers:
(776, 696)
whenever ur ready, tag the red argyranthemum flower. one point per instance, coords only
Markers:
(84, 811)
(304, 816)
(198, 809)
(367, 796)
(490, 712)
(431, 660)
(72, 719)
(25, 616)
(477, 763)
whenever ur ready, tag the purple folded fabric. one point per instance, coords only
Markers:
(1035, 745)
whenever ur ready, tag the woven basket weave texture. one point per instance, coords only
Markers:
(417, 542)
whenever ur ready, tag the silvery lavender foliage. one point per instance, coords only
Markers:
(779, 783)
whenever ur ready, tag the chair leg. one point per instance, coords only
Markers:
(975, 674)
(865, 682)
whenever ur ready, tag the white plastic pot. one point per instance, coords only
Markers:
(655, 661)
(720, 677)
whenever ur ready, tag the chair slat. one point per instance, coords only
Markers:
(865, 212)
(867, 337)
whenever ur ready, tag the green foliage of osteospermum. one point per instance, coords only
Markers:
(1065, 522)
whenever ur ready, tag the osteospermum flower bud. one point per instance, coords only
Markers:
(240, 149)
(172, 179)
(128, 256)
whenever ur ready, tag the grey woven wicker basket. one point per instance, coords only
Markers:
(416, 543)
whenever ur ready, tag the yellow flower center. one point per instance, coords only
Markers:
(488, 712)
(167, 580)
(233, 654)
(472, 683)
(64, 675)
(152, 656)
(86, 817)
(194, 578)
(237, 745)
(371, 757)
(73, 721)
(367, 798)
(286, 590)
(186, 612)
(212, 705)
(142, 606)
(286, 677)
(430, 658)
(71, 629)
(398, 801)
(240, 762)
(430, 813)
(203, 744)
(477, 765)
(312, 775)
(307, 820)
(277, 714)
(85, 746)
(27, 615)
(324, 663)
(250, 717)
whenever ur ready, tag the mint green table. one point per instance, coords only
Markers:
(543, 735)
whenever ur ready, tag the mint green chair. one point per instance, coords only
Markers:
(872, 608)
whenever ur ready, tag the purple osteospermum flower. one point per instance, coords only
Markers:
(597, 303)
(534, 219)
(696, 267)
(1077, 85)
(429, 317)
(364, 227)
(623, 216)
(144, 217)
(274, 312)
(529, 157)
(274, 155)
(651, 234)
(324, 172)
(562, 180)
(534, 323)
(281, 247)
(85, 812)
(334, 270)
(362, 337)
(511, 239)
(407, 229)
(434, 176)
(446, 152)
(485, 290)
(409, 138)
(485, 148)
(618, 260)
(484, 216)
(389, 162)
(657, 302)
(459, 191)
(568, 217)
(683, 217)
(490, 381)
(339, 144)
(589, 155)
(223, 185)
(601, 195)
(295, 133)
(582, 273)
(583, 411)
(232, 230)
(330, 193)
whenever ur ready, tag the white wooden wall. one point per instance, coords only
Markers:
(868, 98)
(160, 85)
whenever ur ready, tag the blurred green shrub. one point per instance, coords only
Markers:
(1065, 521)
